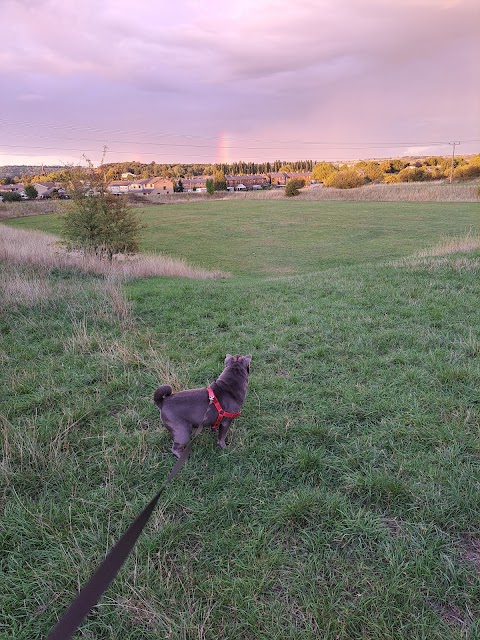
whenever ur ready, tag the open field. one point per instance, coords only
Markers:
(402, 192)
(347, 505)
(290, 236)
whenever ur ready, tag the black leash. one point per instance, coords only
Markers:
(92, 591)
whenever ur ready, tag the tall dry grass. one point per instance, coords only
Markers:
(454, 244)
(435, 257)
(403, 192)
(18, 246)
(10, 210)
(26, 288)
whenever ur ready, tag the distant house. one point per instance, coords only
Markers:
(127, 175)
(248, 181)
(159, 185)
(278, 179)
(118, 187)
(45, 189)
(139, 186)
(12, 188)
(194, 184)
(300, 175)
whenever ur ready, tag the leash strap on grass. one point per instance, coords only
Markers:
(91, 593)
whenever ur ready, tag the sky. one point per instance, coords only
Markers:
(252, 80)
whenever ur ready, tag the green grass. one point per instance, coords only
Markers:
(345, 502)
(275, 237)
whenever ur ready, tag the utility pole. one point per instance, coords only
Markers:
(105, 149)
(453, 144)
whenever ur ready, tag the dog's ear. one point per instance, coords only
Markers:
(228, 357)
(248, 359)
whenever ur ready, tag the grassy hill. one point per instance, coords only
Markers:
(289, 236)
(347, 503)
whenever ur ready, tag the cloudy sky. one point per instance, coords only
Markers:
(211, 81)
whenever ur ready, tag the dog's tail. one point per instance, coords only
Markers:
(161, 393)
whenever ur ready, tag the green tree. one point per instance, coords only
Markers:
(293, 186)
(98, 221)
(210, 187)
(11, 196)
(31, 192)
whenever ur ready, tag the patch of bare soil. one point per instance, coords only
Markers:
(393, 525)
(452, 615)
(470, 549)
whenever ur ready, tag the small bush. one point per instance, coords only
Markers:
(465, 172)
(414, 174)
(293, 186)
(11, 196)
(102, 224)
(31, 192)
(210, 187)
(391, 178)
(346, 179)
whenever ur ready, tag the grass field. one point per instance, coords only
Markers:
(347, 505)
(275, 237)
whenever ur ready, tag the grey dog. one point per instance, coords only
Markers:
(183, 411)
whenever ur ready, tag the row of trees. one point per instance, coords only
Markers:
(114, 171)
(396, 170)
(389, 170)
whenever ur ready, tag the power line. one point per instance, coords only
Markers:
(334, 144)
(156, 153)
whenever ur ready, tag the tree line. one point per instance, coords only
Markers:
(388, 170)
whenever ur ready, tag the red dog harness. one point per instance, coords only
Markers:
(221, 413)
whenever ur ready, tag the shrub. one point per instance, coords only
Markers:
(219, 180)
(210, 187)
(293, 186)
(346, 179)
(391, 178)
(414, 174)
(322, 170)
(466, 171)
(11, 196)
(102, 224)
(31, 192)
(373, 172)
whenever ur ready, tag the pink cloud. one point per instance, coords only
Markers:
(309, 70)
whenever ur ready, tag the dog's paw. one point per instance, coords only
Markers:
(221, 444)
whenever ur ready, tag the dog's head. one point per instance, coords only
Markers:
(238, 361)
